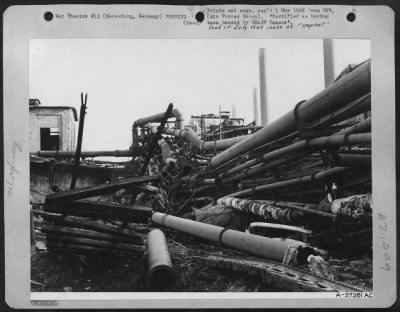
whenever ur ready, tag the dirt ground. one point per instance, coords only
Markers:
(51, 272)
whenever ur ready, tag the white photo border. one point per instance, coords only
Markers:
(22, 23)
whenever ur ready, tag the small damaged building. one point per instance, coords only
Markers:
(51, 127)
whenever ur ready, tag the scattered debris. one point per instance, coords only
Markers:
(296, 194)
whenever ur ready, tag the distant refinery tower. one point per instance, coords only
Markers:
(329, 74)
(263, 88)
(256, 107)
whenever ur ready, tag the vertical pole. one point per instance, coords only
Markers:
(255, 108)
(154, 144)
(157, 137)
(220, 123)
(328, 61)
(79, 144)
(263, 88)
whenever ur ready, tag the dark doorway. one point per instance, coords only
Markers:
(49, 139)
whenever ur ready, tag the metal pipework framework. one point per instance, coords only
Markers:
(310, 144)
(260, 246)
(360, 127)
(189, 135)
(159, 260)
(345, 90)
(156, 118)
(309, 178)
(262, 167)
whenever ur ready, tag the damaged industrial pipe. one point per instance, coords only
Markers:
(293, 252)
(159, 260)
(267, 211)
(156, 118)
(306, 179)
(347, 89)
(310, 144)
(189, 135)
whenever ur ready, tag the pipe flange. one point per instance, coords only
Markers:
(220, 236)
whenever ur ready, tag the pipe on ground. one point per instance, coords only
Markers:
(343, 91)
(269, 212)
(159, 260)
(260, 246)
(275, 226)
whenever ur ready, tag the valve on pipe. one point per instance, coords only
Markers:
(159, 260)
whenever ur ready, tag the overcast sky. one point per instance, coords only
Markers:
(129, 79)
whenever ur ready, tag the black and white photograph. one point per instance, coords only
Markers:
(199, 156)
(200, 165)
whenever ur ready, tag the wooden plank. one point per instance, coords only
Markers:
(105, 215)
(96, 190)
(90, 234)
(85, 224)
(100, 209)
(63, 247)
(65, 239)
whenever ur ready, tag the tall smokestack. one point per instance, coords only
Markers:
(255, 107)
(263, 88)
(328, 61)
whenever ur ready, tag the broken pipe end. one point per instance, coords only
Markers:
(159, 260)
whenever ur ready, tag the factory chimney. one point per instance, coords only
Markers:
(328, 61)
(263, 88)
(255, 107)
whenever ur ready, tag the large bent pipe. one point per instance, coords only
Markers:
(156, 118)
(189, 135)
(308, 144)
(343, 91)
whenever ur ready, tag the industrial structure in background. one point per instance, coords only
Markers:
(51, 127)
(286, 195)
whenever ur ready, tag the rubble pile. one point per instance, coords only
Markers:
(290, 193)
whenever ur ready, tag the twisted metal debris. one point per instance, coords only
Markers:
(310, 168)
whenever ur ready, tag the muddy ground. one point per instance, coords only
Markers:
(58, 272)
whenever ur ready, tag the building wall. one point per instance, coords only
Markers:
(44, 175)
(52, 117)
